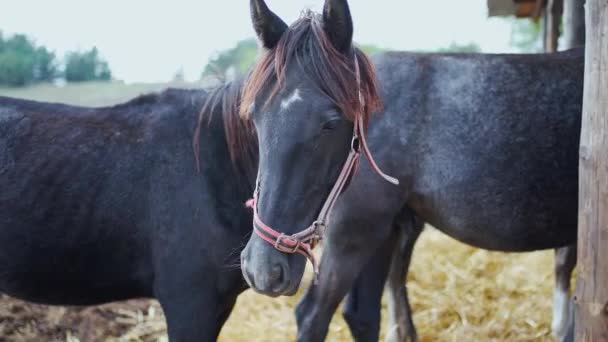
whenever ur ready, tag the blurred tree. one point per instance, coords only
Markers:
(371, 49)
(86, 66)
(179, 75)
(17, 60)
(46, 69)
(21, 44)
(15, 69)
(22, 62)
(526, 34)
(455, 47)
(238, 59)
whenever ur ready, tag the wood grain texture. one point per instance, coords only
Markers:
(592, 282)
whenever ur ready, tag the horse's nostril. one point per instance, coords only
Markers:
(279, 275)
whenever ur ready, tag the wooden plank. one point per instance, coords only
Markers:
(553, 15)
(500, 7)
(592, 269)
(526, 10)
(519, 8)
(574, 23)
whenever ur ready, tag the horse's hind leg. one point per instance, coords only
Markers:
(400, 324)
(565, 260)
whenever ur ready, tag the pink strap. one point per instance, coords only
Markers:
(304, 241)
(371, 160)
(284, 243)
(361, 130)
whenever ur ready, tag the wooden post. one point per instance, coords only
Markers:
(592, 272)
(574, 23)
(553, 15)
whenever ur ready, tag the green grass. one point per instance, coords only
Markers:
(90, 93)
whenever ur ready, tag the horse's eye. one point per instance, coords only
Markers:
(331, 124)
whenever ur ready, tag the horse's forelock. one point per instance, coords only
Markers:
(307, 44)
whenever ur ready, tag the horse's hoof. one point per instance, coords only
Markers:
(395, 334)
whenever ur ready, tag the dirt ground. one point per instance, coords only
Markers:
(25, 322)
(458, 293)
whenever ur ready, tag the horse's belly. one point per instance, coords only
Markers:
(508, 240)
(515, 226)
(66, 288)
(49, 272)
(514, 237)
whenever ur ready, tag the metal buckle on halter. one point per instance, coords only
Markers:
(355, 144)
(319, 229)
(280, 247)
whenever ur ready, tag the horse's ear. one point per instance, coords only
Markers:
(338, 24)
(267, 25)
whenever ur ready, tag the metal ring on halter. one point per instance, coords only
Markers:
(355, 144)
(317, 233)
(277, 244)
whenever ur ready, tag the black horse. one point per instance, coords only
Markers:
(485, 148)
(105, 204)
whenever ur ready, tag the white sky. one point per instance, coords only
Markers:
(149, 40)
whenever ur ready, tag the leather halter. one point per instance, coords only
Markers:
(304, 241)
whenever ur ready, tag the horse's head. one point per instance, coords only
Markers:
(306, 95)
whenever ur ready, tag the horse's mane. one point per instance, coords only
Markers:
(307, 44)
(240, 134)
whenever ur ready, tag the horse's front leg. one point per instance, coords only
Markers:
(344, 258)
(196, 297)
(193, 312)
(362, 305)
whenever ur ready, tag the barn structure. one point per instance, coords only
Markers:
(551, 12)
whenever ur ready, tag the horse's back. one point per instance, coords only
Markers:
(493, 142)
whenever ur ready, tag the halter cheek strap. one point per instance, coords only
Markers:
(304, 241)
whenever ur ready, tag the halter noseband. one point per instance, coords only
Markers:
(304, 241)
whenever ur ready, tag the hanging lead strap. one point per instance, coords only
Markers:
(361, 129)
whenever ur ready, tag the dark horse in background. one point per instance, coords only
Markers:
(485, 148)
(106, 204)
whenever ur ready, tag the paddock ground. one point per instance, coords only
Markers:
(458, 293)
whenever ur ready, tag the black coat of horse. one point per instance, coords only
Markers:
(485, 147)
(142, 199)
(104, 204)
